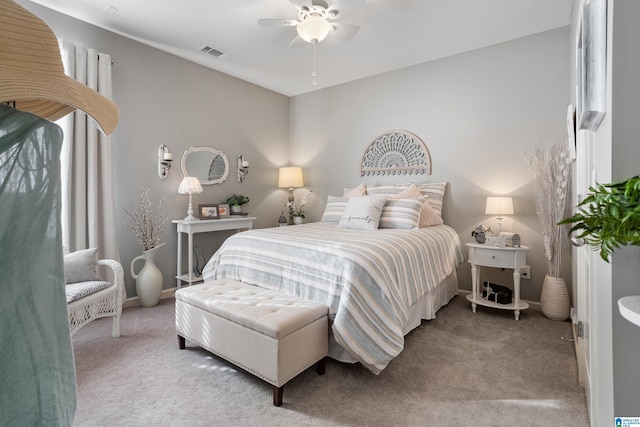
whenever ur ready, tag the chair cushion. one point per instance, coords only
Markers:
(75, 291)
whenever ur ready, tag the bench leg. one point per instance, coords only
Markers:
(181, 342)
(321, 366)
(277, 395)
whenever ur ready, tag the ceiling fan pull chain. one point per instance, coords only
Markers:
(314, 74)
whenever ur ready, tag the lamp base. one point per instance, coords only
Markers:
(192, 218)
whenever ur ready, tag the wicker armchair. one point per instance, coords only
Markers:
(103, 303)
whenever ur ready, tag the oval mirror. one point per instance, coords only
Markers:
(209, 165)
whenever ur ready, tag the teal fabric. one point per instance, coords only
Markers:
(36, 357)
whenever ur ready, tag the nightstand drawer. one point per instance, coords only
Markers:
(494, 257)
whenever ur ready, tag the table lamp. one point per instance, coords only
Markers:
(290, 176)
(499, 206)
(190, 185)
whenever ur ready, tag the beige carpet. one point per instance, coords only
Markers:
(461, 369)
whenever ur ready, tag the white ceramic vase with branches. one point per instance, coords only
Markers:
(551, 169)
(148, 227)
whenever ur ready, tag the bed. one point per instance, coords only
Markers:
(378, 283)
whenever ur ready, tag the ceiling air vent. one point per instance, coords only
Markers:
(213, 52)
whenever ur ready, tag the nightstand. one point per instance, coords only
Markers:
(492, 256)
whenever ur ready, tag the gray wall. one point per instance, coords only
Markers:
(477, 113)
(166, 100)
(625, 128)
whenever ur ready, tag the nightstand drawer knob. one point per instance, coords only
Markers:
(493, 256)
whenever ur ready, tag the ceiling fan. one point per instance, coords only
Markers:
(316, 21)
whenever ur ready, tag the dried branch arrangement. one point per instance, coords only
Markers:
(148, 225)
(551, 168)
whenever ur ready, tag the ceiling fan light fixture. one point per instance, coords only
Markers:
(313, 29)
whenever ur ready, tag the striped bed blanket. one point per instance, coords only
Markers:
(368, 279)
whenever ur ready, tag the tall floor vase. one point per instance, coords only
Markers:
(149, 279)
(554, 299)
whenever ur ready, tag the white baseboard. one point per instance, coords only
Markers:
(133, 302)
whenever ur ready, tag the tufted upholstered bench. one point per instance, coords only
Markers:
(271, 335)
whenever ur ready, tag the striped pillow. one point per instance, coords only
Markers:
(387, 190)
(435, 194)
(402, 213)
(334, 209)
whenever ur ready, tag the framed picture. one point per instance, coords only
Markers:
(209, 211)
(223, 209)
(591, 65)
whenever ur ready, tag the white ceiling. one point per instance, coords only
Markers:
(393, 34)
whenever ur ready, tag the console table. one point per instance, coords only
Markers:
(204, 226)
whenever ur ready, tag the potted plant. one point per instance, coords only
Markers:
(298, 212)
(609, 217)
(236, 201)
(551, 170)
(480, 233)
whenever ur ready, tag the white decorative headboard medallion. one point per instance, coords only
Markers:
(397, 152)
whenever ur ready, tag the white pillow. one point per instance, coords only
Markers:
(401, 213)
(80, 266)
(334, 209)
(363, 212)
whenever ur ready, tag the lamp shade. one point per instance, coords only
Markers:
(190, 185)
(290, 176)
(313, 29)
(499, 206)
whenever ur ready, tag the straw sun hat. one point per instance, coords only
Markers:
(32, 75)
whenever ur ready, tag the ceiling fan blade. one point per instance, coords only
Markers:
(342, 8)
(344, 32)
(277, 22)
(298, 42)
(300, 3)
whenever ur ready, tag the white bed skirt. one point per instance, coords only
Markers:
(425, 308)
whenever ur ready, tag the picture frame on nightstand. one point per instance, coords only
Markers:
(223, 210)
(209, 211)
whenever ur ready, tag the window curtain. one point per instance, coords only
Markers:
(88, 201)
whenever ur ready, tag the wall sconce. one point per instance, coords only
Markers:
(499, 206)
(164, 161)
(243, 168)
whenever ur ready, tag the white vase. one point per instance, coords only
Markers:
(149, 279)
(236, 208)
(554, 299)
(297, 220)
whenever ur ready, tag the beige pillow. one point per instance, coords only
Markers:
(360, 190)
(429, 216)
